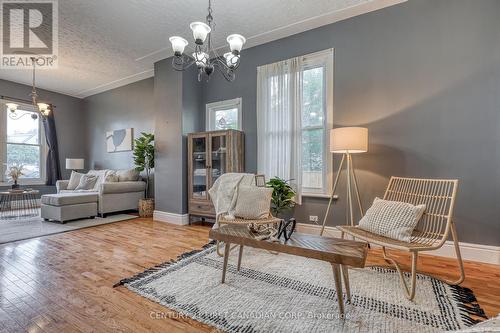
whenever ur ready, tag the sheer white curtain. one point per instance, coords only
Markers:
(279, 112)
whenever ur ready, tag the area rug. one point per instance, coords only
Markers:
(14, 230)
(284, 293)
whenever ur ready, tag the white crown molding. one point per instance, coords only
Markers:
(116, 83)
(475, 252)
(266, 37)
(179, 219)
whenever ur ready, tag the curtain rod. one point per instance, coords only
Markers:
(20, 100)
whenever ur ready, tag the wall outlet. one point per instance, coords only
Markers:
(313, 218)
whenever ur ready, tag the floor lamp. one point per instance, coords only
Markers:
(347, 141)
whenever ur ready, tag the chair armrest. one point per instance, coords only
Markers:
(122, 187)
(61, 185)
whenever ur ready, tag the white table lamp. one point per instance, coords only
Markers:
(75, 163)
(347, 141)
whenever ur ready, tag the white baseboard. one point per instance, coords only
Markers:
(179, 219)
(476, 252)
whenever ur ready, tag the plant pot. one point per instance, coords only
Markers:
(146, 207)
(15, 185)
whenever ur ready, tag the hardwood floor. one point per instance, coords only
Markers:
(63, 283)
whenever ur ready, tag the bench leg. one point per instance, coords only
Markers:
(338, 288)
(240, 254)
(226, 258)
(345, 277)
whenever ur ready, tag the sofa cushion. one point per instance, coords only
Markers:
(122, 187)
(64, 199)
(130, 175)
(87, 182)
(74, 180)
(101, 176)
(111, 177)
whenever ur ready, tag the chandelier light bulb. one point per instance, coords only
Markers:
(12, 107)
(236, 42)
(200, 58)
(178, 44)
(200, 31)
(231, 59)
(43, 108)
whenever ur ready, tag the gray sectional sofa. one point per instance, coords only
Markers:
(109, 194)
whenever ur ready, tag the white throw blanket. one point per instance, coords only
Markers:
(224, 191)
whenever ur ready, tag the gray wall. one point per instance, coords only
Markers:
(424, 77)
(177, 97)
(130, 106)
(69, 118)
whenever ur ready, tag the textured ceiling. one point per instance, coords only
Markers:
(105, 44)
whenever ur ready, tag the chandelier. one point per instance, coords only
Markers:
(203, 55)
(42, 108)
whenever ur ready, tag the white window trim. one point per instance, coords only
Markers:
(3, 148)
(223, 105)
(324, 57)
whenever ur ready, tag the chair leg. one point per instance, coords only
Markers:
(409, 291)
(219, 253)
(240, 254)
(459, 257)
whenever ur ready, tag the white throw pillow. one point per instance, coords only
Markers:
(111, 177)
(87, 182)
(253, 202)
(74, 180)
(130, 175)
(392, 219)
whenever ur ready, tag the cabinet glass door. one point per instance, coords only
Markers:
(218, 147)
(199, 176)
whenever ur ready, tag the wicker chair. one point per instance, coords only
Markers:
(432, 230)
(269, 220)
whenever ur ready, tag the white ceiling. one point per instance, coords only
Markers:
(104, 44)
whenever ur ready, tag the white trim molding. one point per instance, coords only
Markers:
(179, 219)
(487, 254)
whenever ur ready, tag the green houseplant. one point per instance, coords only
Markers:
(144, 159)
(282, 198)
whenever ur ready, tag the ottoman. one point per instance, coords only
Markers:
(64, 207)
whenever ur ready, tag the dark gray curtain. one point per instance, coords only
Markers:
(52, 164)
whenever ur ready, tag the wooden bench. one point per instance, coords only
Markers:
(340, 253)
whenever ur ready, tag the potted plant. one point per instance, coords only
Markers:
(282, 198)
(144, 159)
(14, 172)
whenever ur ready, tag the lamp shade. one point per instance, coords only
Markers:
(74, 163)
(200, 31)
(236, 42)
(349, 140)
(178, 44)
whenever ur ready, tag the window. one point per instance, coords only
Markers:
(317, 101)
(294, 115)
(23, 143)
(224, 115)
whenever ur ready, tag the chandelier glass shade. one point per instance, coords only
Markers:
(204, 57)
(41, 108)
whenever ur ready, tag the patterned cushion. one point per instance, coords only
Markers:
(87, 182)
(130, 175)
(253, 202)
(74, 180)
(392, 219)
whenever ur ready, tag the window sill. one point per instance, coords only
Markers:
(319, 195)
(27, 183)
